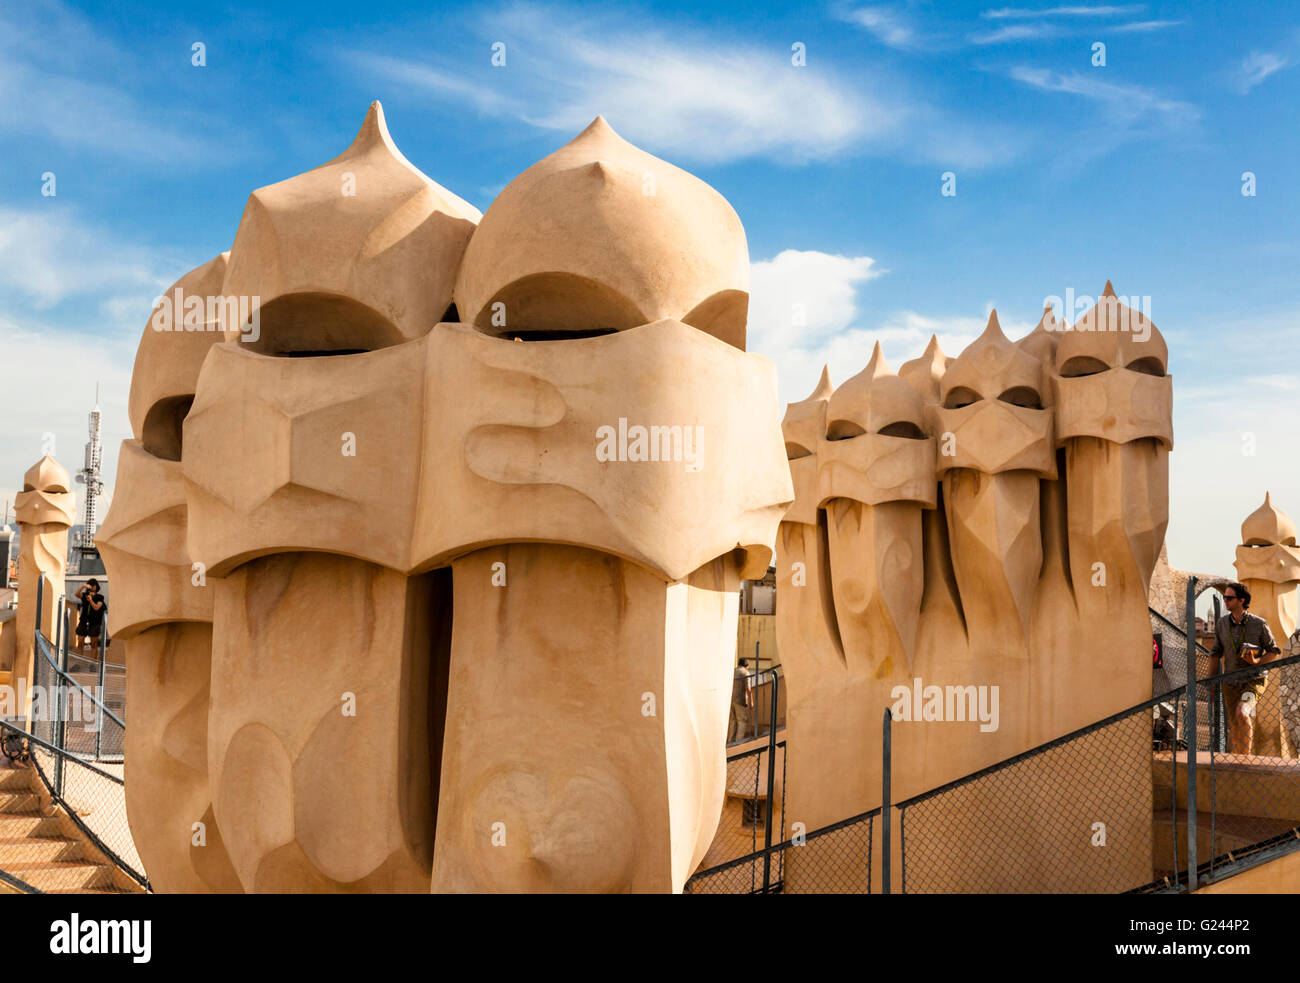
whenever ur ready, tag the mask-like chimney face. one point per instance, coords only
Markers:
(161, 610)
(1111, 377)
(45, 496)
(876, 448)
(1268, 550)
(1011, 577)
(992, 406)
(358, 254)
(599, 237)
(357, 453)
(863, 470)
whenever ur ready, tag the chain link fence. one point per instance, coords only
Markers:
(63, 823)
(743, 828)
(1105, 809)
(1247, 772)
(1079, 814)
(742, 858)
(63, 826)
(835, 859)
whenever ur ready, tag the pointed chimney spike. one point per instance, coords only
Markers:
(877, 365)
(824, 388)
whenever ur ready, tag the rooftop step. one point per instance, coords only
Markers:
(62, 876)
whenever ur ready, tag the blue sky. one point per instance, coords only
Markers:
(1067, 174)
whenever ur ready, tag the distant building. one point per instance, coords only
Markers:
(759, 596)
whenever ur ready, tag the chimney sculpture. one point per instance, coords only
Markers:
(983, 525)
(468, 501)
(44, 511)
(162, 603)
(1268, 563)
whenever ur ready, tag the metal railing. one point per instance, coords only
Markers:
(835, 859)
(36, 849)
(752, 800)
(70, 727)
(1098, 810)
(1083, 813)
(70, 716)
(1162, 796)
(97, 714)
(1246, 797)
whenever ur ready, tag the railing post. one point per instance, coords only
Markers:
(771, 785)
(753, 703)
(103, 696)
(1216, 725)
(1193, 824)
(40, 601)
(61, 620)
(62, 689)
(54, 700)
(885, 778)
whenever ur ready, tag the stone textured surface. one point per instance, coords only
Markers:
(453, 644)
(997, 528)
(44, 510)
(1268, 563)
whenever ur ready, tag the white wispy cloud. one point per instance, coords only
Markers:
(807, 310)
(1143, 26)
(74, 300)
(61, 77)
(690, 93)
(49, 254)
(1059, 23)
(803, 296)
(1077, 10)
(424, 77)
(1015, 32)
(1255, 67)
(53, 393)
(1126, 111)
(889, 24)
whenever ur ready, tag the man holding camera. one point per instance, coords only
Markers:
(90, 623)
(1241, 639)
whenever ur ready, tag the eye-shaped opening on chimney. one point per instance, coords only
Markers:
(903, 428)
(164, 426)
(555, 307)
(723, 315)
(58, 488)
(960, 396)
(1024, 396)
(313, 325)
(1255, 542)
(795, 451)
(1081, 365)
(843, 430)
(1147, 365)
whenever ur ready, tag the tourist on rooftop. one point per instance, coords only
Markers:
(90, 624)
(1241, 639)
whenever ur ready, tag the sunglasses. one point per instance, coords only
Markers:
(1230, 597)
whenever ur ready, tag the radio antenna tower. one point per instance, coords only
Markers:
(89, 476)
